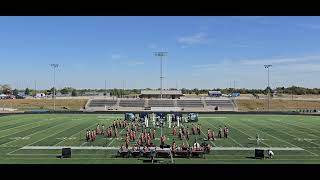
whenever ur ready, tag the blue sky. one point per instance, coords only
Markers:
(203, 52)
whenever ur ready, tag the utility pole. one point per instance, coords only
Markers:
(105, 88)
(161, 54)
(292, 93)
(54, 82)
(268, 67)
(35, 88)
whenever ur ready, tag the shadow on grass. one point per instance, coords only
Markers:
(252, 157)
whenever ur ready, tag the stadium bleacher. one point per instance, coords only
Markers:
(190, 103)
(139, 104)
(161, 103)
(222, 104)
(102, 103)
(132, 103)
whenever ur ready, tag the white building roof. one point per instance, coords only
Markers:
(166, 92)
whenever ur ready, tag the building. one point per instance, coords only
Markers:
(40, 95)
(166, 94)
(3, 96)
(215, 93)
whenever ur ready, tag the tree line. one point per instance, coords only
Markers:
(295, 90)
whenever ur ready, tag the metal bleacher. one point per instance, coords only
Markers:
(190, 103)
(102, 103)
(132, 103)
(142, 104)
(161, 103)
(224, 104)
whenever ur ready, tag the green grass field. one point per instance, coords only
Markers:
(300, 133)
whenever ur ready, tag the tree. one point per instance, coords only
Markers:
(74, 92)
(5, 89)
(27, 92)
(64, 91)
(51, 91)
(15, 92)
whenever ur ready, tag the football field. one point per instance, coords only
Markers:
(38, 138)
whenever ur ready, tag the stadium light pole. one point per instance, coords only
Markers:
(268, 67)
(54, 84)
(105, 88)
(161, 54)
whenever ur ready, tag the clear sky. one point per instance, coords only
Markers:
(203, 52)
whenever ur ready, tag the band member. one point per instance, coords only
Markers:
(114, 124)
(154, 133)
(180, 134)
(146, 136)
(142, 138)
(163, 139)
(196, 145)
(227, 132)
(148, 142)
(134, 135)
(127, 142)
(92, 136)
(87, 135)
(220, 132)
(115, 132)
(198, 129)
(98, 129)
(174, 131)
(224, 131)
(118, 123)
(139, 143)
(212, 135)
(183, 146)
(174, 146)
(187, 133)
(193, 129)
(131, 135)
(110, 131)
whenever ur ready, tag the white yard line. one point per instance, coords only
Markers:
(74, 134)
(115, 138)
(40, 139)
(292, 135)
(13, 121)
(228, 137)
(294, 124)
(206, 137)
(29, 135)
(245, 133)
(295, 129)
(52, 134)
(22, 126)
(282, 140)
